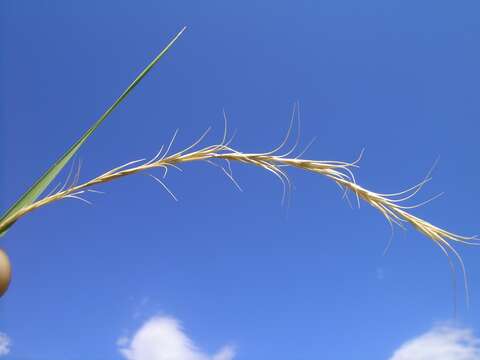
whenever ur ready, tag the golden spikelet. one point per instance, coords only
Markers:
(390, 205)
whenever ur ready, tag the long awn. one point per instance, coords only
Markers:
(391, 205)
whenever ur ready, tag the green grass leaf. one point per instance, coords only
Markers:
(42, 183)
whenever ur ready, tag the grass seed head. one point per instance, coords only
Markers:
(391, 206)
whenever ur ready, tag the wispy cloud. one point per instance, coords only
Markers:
(162, 338)
(441, 343)
(5, 343)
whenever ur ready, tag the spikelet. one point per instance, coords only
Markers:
(391, 206)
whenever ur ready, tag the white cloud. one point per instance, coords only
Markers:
(5, 343)
(162, 338)
(441, 343)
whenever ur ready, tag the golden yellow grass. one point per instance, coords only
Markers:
(390, 205)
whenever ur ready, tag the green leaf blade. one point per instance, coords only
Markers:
(32, 194)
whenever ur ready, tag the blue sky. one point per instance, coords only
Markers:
(237, 273)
